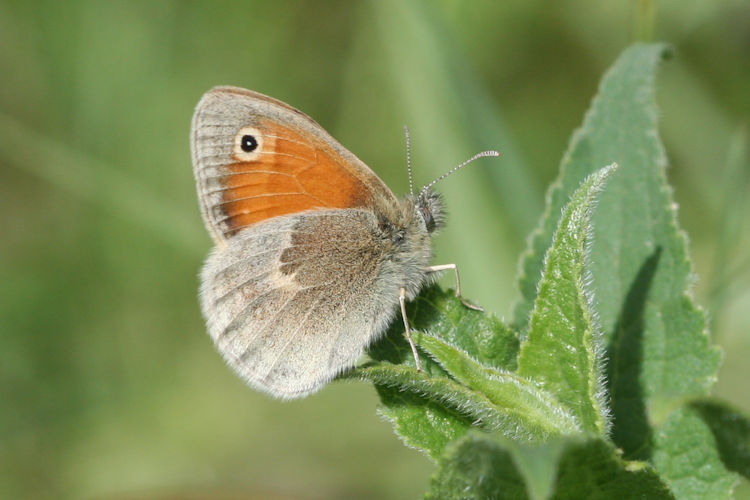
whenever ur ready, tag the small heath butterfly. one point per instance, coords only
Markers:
(313, 253)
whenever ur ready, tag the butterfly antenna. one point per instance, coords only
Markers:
(459, 167)
(408, 159)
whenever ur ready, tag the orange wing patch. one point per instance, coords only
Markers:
(288, 173)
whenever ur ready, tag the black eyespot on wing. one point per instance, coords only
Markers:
(249, 143)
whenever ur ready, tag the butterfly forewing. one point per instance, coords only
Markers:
(256, 158)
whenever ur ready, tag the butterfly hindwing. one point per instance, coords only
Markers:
(289, 309)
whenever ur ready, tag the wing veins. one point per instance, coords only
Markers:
(248, 172)
(265, 195)
(234, 228)
(293, 336)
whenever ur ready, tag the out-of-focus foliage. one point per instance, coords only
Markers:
(109, 385)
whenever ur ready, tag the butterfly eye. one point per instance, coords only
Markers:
(429, 220)
(248, 143)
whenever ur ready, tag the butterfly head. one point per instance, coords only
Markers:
(428, 204)
(430, 210)
(409, 239)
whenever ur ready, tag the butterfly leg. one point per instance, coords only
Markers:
(402, 301)
(445, 267)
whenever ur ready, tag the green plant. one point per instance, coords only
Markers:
(600, 387)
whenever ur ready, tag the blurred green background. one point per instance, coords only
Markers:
(109, 386)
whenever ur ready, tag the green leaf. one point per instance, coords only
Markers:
(620, 126)
(594, 470)
(526, 411)
(472, 405)
(439, 312)
(564, 346)
(476, 467)
(480, 396)
(481, 467)
(658, 348)
(421, 423)
(731, 430)
(538, 465)
(435, 409)
(686, 455)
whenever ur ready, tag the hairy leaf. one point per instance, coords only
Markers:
(658, 351)
(731, 430)
(564, 346)
(481, 467)
(686, 457)
(429, 409)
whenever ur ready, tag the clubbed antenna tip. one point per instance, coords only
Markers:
(458, 167)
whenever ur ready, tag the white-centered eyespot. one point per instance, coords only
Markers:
(248, 143)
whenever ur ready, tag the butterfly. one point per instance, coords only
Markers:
(314, 255)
